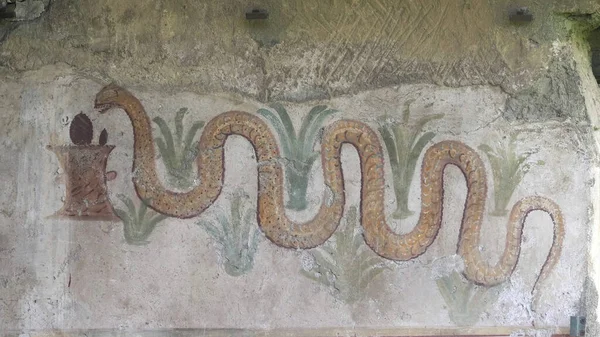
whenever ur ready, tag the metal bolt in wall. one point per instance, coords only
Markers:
(257, 14)
(520, 15)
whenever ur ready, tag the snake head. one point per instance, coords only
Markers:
(110, 96)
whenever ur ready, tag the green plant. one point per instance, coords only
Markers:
(465, 300)
(180, 153)
(237, 235)
(137, 224)
(508, 169)
(404, 143)
(298, 149)
(347, 265)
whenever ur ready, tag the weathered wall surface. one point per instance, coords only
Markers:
(517, 103)
(307, 49)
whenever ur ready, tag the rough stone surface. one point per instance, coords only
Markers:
(306, 50)
(554, 95)
(489, 81)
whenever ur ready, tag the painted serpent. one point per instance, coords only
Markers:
(378, 235)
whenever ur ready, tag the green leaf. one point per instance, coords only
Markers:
(421, 123)
(236, 246)
(314, 112)
(136, 227)
(326, 262)
(156, 219)
(179, 123)
(485, 148)
(367, 277)
(123, 216)
(416, 150)
(236, 220)
(508, 168)
(254, 242)
(421, 143)
(226, 225)
(310, 160)
(352, 217)
(445, 290)
(169, 159)
(246, 228)
(402, 144)
(390, 145)
(166, 133)
(358, 240)
(414, 154)
(287, 123)
(344, 240)
(371, 262)
(128, 202)
(189, 138)
(328, 248)
(312, 131)
(178, 156)
(215, 232)
(522, 159)
(284, 137)
(320, 278)
(142, 212)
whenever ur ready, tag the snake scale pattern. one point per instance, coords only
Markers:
(378, 235)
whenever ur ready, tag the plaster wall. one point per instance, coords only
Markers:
(520, 97)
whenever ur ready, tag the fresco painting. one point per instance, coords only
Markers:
(178, 153)
(348, 257)
(85, 176)
(236, 234)
(138, 223)
(297, 148)
(299, 168)
(404, 143)
(466, 301)
(508, 169)
(346, 266)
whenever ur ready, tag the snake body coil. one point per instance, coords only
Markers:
(378, 235)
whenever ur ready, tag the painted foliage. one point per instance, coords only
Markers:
(298, 148)
(353, 258)
(138, 223)
(404, 142)
(177, 152)
(508, 169)
(346, 265)
(236, 235)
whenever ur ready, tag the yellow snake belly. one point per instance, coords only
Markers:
(284, 232)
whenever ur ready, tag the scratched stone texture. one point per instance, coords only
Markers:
(306, 50)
